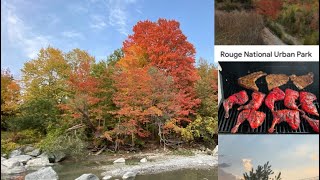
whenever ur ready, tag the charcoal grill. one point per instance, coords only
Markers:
(231, 71)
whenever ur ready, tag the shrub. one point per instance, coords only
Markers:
(59, 140)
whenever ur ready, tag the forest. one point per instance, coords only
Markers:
(148, 93)
(293, 22)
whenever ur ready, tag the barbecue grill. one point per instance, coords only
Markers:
(231, 71)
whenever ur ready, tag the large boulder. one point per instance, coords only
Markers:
(34, 153)
(49, 156)
(22, 158)
(12, 166)
(59, 156)
(120, 160)
(3, 159)
(16, 152)
(215, 151)
(27, 149)
(88, 177)
(129, 175)
(40, 161)
(46, 173)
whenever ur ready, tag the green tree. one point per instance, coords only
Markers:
(261, 173)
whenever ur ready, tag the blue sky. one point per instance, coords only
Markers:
(98, 26)
(296, 156)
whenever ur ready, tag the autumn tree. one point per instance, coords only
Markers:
(167, 49)
(46, 75)
(205, 125)
(80, 103)
(10, 96)
(269, 8)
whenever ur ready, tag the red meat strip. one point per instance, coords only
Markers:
(306, 101)
(275, 95)
(314, 123)
(290, 116)
(239, 98)
(255, 119)
(290, 99)
(256, 101)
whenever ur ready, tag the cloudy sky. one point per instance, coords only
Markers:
(295, 156)
(98, 26)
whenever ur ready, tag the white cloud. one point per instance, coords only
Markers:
(97, 22)
(21, 35)
(72, 34)
(247, 164)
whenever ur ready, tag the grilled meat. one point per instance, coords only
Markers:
(306, 101)
(256, 101)
(275, 95)
(239, 98)
(314, 123)
(290, 116)
(255, 119)
(303, 81)
(290, 99)
(276, 80)
(249, 80)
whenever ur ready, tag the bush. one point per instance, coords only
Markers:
(238, 28)
(7, 146)
(68, 142)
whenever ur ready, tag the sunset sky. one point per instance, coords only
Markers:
(296, 157)
(98, 26)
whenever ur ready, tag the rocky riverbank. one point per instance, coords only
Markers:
(122, 166)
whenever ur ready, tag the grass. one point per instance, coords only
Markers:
(238, 28)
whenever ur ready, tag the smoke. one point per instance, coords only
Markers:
(247, 164)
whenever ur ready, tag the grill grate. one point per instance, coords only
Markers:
(225, 125)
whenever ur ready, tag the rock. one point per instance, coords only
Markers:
(3, 159)
(59, 156)
(22, 158)
(107, 177)
(209, 152)
(143, 160)
(120, 160)
(34, 153)
(28, 149)
(129, 175)
(16, 152)
(40, 161)
(12, 166)
(44, 173)
(88, 177)
(215, 151)
(49, 156)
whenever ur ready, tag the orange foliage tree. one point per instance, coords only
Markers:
(167, 49)
(83, 88)
(269, 8)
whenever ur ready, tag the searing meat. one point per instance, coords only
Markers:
(256, 101)
(290, 116)
(249, 81)
(239, 98)
(314, 123)
(290, 99)
(303, 81)
(275, 95)
(276, 80)
(255, 119)
(306, 101)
